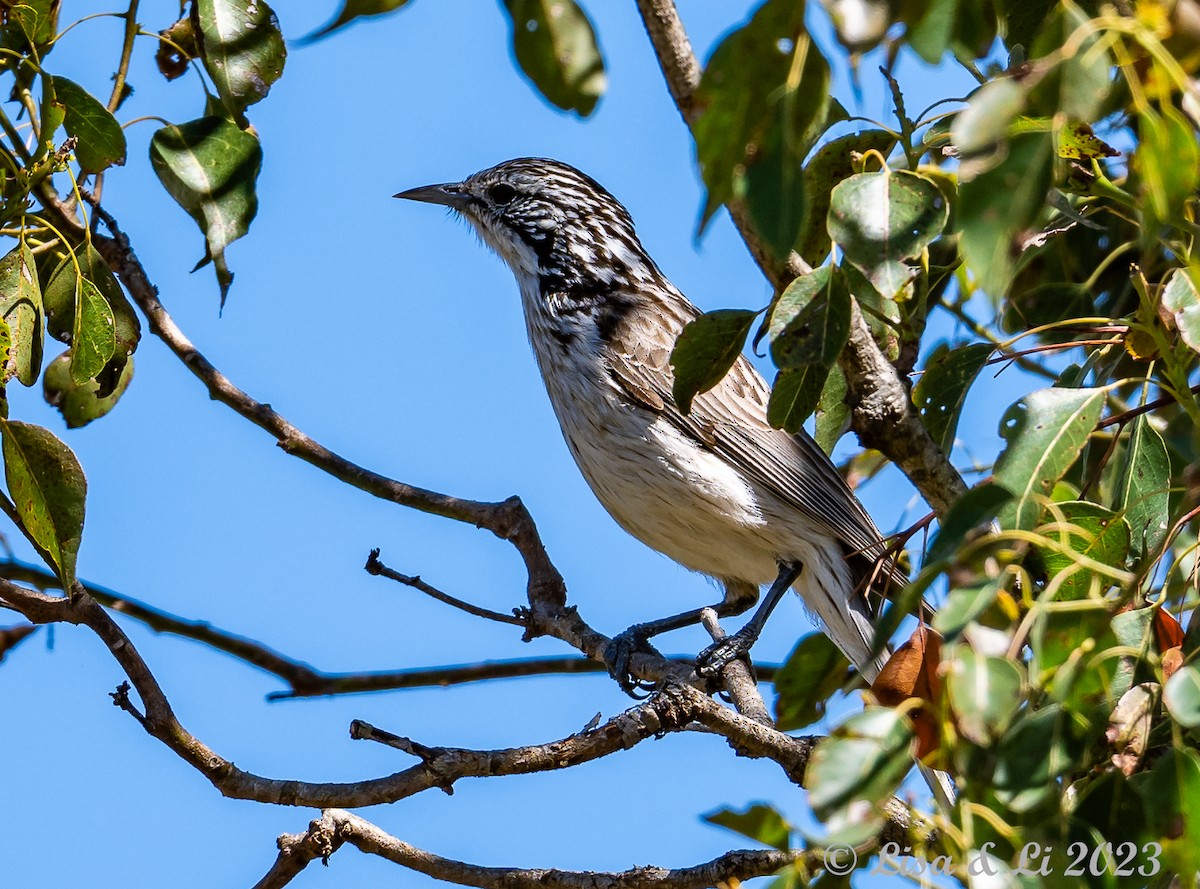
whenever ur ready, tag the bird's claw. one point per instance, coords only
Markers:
(712, 660)
(620, 652)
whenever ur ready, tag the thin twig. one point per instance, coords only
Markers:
(377, 568)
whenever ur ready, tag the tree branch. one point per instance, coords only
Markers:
(335, 828)
(883, 416)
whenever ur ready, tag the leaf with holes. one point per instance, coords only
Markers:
(706, 350)
(886, 217)
(46, 484)
(759, 822)
(242, 49)
(555, 45)
(1181, 297)
(1045, 432)
(942, 389)
(21, 310)
(210, 167)
(1081, 529)
(101, 141)
(354, 9)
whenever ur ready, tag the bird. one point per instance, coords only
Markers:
(717, 489)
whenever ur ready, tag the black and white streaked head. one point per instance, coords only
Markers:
(558, 229)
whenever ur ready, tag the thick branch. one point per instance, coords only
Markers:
(335, 828)
(882, 412)
(508, 520)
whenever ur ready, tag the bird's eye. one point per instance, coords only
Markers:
(502, 194)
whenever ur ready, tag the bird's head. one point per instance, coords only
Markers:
(548, 221)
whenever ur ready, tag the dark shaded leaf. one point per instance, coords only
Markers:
(1173, 784)
(1045, 432)
(353, 9)
(1077, 86)
(1035, 750)
(706, 350)
(32, 25)
(963, 605)
(94, 340)
(555, 45)
(930, 31)
(101, 140)
(942, 389)
(759, 822)
(80, 404)
(832, 163)
(1023, 19)
(885, 217)
(810, 322)
(21, 310)
(795, 394)
(814, 670)
(832, 411)
(242, 48)
(997, 206)
(46, 484)
(1144, 486)
(210, 167)
(980, 504)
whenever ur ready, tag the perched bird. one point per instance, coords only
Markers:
(717, 489)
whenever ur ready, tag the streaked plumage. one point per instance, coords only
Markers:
(718, 490)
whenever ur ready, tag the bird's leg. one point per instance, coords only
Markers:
(710, 661)
(739, 596)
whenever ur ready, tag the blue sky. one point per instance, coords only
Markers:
(390, 335)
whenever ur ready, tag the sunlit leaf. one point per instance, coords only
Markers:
(814, 670)
(1077, 141)
(210, 167)
(1181, 298)
(963, 605)
(942, 389)
(985, 692)
(21, 310)
(354, 9)
(706, 350)
(1083, 529)
(101, 140)
(983, 125)
(94, 340)
(46, 484)
(80, 404)
(555, 45)
(863, 760)
(243, 49)
(885, 217)
(1045, 432)
(759, 822)
(1182, 695)
(930, 30)
(1143, 487)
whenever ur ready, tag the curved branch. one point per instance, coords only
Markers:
(335, 828)
(882, 413)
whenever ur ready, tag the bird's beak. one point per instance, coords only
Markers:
(450, 195)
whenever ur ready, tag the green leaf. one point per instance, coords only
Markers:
(354, 9)
(80, 404)
(1167, 163)
(555, 45)
(832, 411)
(980, 504)
(759, 822)
(886, 217)
(46, 484)
(832, 163)
(795, 394)
(985, 692)
(705, 350)
(1173, 818)
(1078, 85)
(1023, 19)
(1182, 695)
(1181, 297)
(929, 32)
(32, 25)
(814, 670)
(963, 605)
(243, 49)
(61, 297)
(810, 323)
(210, 167)
(21, 310)
(982, 127)
(942, 389)
(998, 206)
(101, 140)
(94, 340)
(1066, 646)
(1084, 529)
(863, 760)
(1035, 750)
(765, 95)
(1045, 432)
(1144, 486)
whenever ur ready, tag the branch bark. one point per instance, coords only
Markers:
(882, 414)
(335, 828)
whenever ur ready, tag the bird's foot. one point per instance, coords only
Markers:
(713, 659)
(620, 652)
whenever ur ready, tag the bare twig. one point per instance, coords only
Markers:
(882, 412)
(335, 828)
(376, 567)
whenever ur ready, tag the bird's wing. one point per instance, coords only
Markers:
(731, 420)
